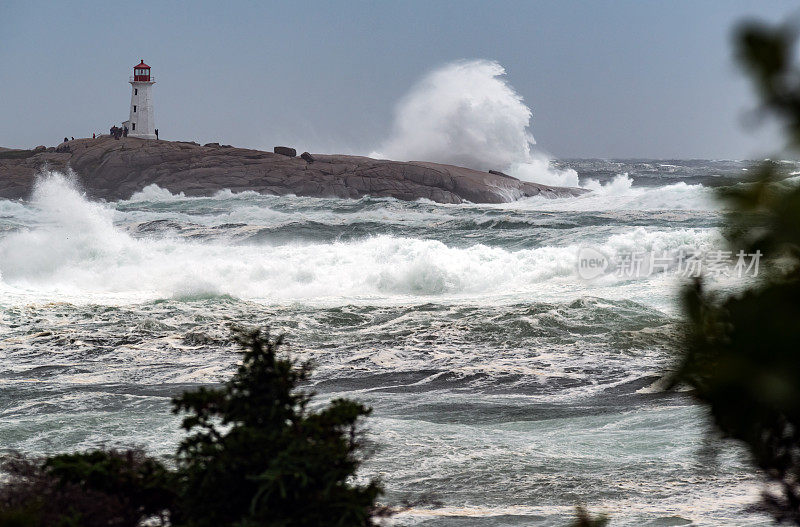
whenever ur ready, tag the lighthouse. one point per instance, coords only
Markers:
(141, 123)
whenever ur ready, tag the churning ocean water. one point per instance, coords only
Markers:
(504, 386)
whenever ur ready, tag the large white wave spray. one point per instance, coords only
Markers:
(77, 250)
(465, 113)
(620, 194)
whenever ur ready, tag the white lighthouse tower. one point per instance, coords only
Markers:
(141, 123)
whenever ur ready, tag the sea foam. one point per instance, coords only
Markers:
(75, 249)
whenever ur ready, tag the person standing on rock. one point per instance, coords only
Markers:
(156, 134)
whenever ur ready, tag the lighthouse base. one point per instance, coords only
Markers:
(143, 136)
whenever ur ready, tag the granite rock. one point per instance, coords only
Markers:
(285, 151)
(115, 169)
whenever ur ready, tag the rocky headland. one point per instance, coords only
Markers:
(113, 169)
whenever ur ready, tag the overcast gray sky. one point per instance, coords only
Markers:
(604, 79)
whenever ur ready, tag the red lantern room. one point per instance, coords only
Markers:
(141, 72)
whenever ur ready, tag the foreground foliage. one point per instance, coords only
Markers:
(742, 357)
(258, 456)
(88, 489)
(255, 455)
(584, 519)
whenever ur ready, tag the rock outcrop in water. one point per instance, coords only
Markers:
(115, 169)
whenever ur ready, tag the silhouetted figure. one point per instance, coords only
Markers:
(125, 131)
(93, 137)
(65, 139)
(156, 134)
(73, 138)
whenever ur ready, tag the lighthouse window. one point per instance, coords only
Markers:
(136, 91)
(133, 126)
(134, 108)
